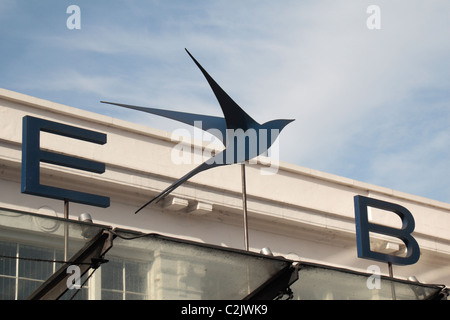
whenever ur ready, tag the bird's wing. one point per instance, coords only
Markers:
(207, 122)
(235, 117)
(204, 166)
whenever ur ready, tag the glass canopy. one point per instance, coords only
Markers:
(180, 269)
(132, 265)
(318, 282)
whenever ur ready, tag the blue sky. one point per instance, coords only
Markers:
(371, 105)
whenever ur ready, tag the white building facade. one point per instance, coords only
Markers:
(300, 214)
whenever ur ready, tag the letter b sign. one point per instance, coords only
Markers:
(363, 227)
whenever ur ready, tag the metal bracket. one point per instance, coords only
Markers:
(277, 285)
(90, 256)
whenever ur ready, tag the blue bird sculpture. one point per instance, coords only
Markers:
(242, 136)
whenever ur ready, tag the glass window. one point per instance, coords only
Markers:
(7, 265)
(135, 280)
(123, 280)
(7, 288)
(157, 267)
(177, 269)
(23, 268)
(7, 271)
(34, 269)
(31, 246)
(147, 267)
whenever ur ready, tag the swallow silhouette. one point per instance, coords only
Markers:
(242, 136)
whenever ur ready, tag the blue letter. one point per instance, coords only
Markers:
(363, 227)
(32, 155)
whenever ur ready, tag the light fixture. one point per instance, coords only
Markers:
(266, 251)
(86, 230)
(85, 217)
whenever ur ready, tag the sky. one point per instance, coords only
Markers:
(368, 82)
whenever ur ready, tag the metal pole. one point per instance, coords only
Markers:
(244, 205)
(391, 274)
(66, 229)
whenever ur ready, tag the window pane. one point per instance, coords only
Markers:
(27, 287)
(35, 269)
(8, 265)
(112, 275)
(7, 288)
(111, 295)
(59, 256)
(135, 277)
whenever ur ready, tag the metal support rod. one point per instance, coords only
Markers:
(244, 205)
(391, 274)
(66, 230)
